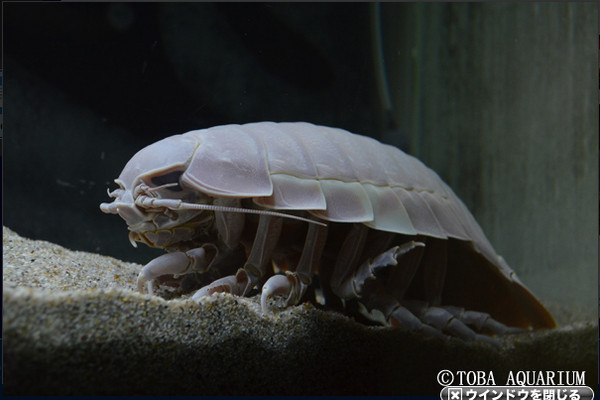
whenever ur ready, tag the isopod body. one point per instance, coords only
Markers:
(379, 227)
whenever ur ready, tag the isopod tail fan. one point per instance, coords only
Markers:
(479, 285)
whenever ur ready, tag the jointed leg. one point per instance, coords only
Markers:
(176, 263)
(294, 284)
(434, 264)
(401, 277)
(416, 316)
(347, 260)
(395, 314)
(351, 285)
(245, 279)
(481, 321)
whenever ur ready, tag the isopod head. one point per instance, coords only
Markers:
(150, 176)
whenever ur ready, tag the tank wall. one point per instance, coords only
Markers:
(501, 100)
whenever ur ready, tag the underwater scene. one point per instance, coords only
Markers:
(299, 198)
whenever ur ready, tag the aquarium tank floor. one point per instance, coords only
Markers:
(74, 325)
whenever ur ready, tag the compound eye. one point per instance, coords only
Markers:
(171, 177)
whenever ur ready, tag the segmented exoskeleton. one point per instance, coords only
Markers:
(378, 226)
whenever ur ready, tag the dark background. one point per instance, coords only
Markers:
(500, 99)
(88, 85)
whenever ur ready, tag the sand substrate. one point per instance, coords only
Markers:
(73, 324)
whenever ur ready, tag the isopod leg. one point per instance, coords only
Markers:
(375, 297)
(347, 261)
(176, 263)
(445, 321)
(410, 316)
(352, 285)
(293, 285)
(361, 284)
(235, 284)
(401, 277)
(311, 253)
(229, 225)
(267, 235)
(481, 321)
(434, 265)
